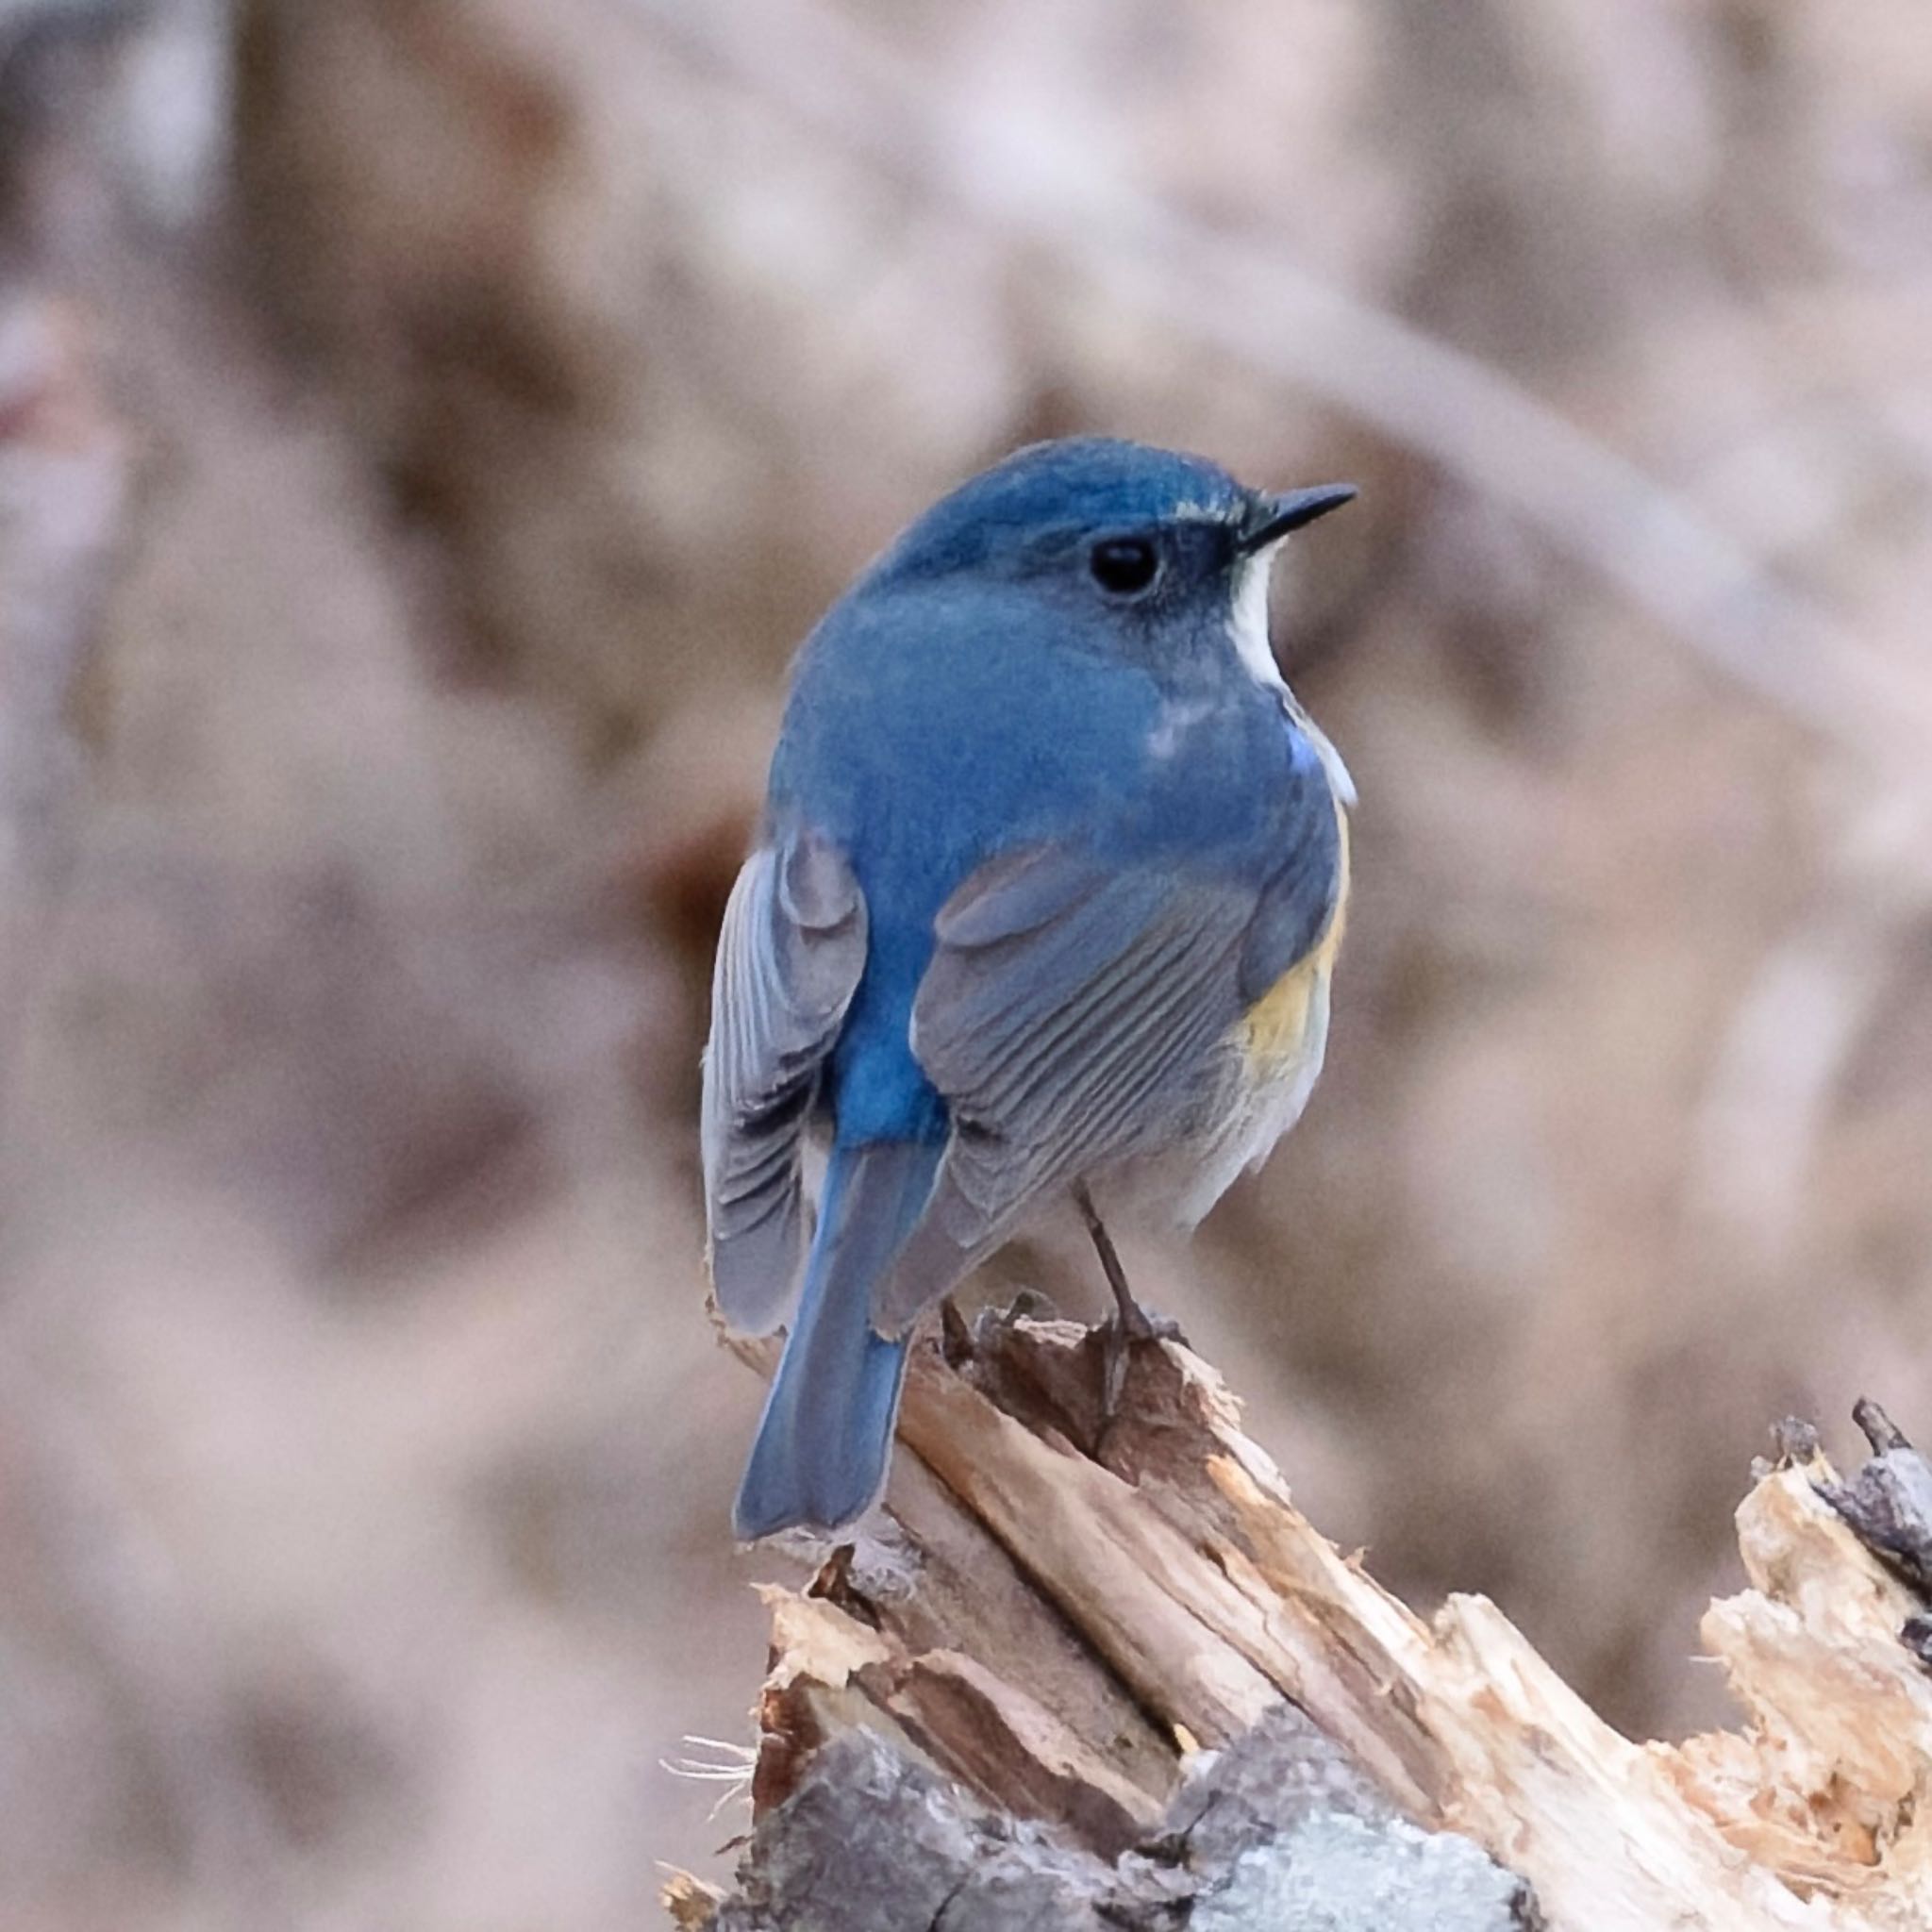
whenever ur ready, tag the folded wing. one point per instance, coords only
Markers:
(789, 956)
(1073, 1015)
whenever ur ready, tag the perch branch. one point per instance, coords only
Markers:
(1089, 1677)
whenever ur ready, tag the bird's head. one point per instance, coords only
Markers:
(1144, 551)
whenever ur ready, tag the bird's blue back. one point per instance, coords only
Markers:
(917, 741)
(929, 730)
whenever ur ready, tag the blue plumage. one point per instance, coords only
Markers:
(1051, 830)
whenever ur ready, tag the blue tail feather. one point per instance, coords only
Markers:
(826, 1438)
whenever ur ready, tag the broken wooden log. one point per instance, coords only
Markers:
(1088, 1672)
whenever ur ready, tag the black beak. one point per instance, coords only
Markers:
(1275, 516)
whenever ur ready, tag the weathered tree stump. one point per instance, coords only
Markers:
(1100, 1674)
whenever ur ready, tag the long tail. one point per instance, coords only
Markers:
(826, 1435)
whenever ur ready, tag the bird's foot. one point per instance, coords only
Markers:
(1131, 1325)
(1128, 1328)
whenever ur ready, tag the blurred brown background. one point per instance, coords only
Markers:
(426, 426)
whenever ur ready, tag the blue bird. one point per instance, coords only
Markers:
(1045, 903)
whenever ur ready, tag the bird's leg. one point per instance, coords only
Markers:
(1132, 1317)
(1131, 1324)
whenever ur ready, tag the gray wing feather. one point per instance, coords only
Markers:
(1071, 1016)
(790, 955)
(1296, 907)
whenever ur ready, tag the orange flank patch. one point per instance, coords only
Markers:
(1278, 1022)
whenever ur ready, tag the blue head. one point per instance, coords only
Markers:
(1131, 551)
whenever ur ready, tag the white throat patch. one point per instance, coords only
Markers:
(1249, 632)
(1250, 627)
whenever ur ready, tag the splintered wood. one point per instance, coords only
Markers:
(1075, 1620)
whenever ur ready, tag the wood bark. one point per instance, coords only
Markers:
(1090, 1673)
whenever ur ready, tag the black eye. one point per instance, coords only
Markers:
(1124, 566)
